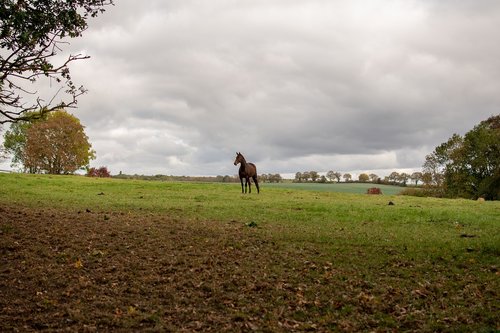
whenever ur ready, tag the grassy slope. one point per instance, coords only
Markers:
(423, 249)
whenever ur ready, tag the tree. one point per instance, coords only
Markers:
(313, 175)
(276, 178)
(347, 177)
(305, 176)
(337, 175)
(436, 162)
(298, 177)
(403, 178)
(469, 166)
(32, 32)
(330, 175)
(393, 177)
(363, 178)
(15, 140)
(416, 177)
(373, 177)
(57, 145)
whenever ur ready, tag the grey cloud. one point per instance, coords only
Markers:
(177, 87)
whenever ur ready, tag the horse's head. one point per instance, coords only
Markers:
(239, 159)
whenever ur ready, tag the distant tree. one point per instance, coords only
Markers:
(298, 177)
(263, 178)
(305, 176)
(57, 145)
(393, 177)
(274, 178)
(32, 32)
(330, 175)
(337, 175)
(403, 178)
(347, 177)
(373, 177)
(416, 177)
(313, 175)
(363, 178)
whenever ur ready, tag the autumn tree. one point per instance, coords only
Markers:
(57, 145)
(15, 139)
(32, 33)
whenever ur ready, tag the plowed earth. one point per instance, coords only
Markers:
(97, 271)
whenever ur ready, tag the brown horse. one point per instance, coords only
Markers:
(246, 171)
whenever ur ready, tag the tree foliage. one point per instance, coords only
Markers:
(15, 138)
(57, 145)
(101, 172)
(468, 166)
(363, 178)
(32, 32)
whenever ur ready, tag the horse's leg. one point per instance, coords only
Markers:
(256, 183)
(249, 185)
(241, 180)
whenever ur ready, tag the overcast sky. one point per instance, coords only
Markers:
(178, 87)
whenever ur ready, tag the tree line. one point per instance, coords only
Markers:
(394, 178)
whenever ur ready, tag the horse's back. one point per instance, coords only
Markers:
(253, 169)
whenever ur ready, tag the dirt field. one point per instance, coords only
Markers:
(87, 271)
(97, 271)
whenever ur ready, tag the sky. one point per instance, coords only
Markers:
(178, 87)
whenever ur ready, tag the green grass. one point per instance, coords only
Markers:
(356, 188)
(428, 224)
(436, 260)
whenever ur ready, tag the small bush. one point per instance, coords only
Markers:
(374, 190)
(422, 192)
(102, 172)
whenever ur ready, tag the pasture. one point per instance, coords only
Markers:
(357, 188)
(106, 254)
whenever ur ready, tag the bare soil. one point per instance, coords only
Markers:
(101, 271)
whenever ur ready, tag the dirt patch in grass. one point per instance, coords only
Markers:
(102, 271)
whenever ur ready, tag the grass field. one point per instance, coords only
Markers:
(106, 254)
(357, 188)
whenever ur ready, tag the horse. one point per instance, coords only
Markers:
(246, 171)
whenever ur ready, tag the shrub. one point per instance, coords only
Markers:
(374, 190)
(102, 172)
(423, 192)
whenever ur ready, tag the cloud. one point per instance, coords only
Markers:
(177, 87)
